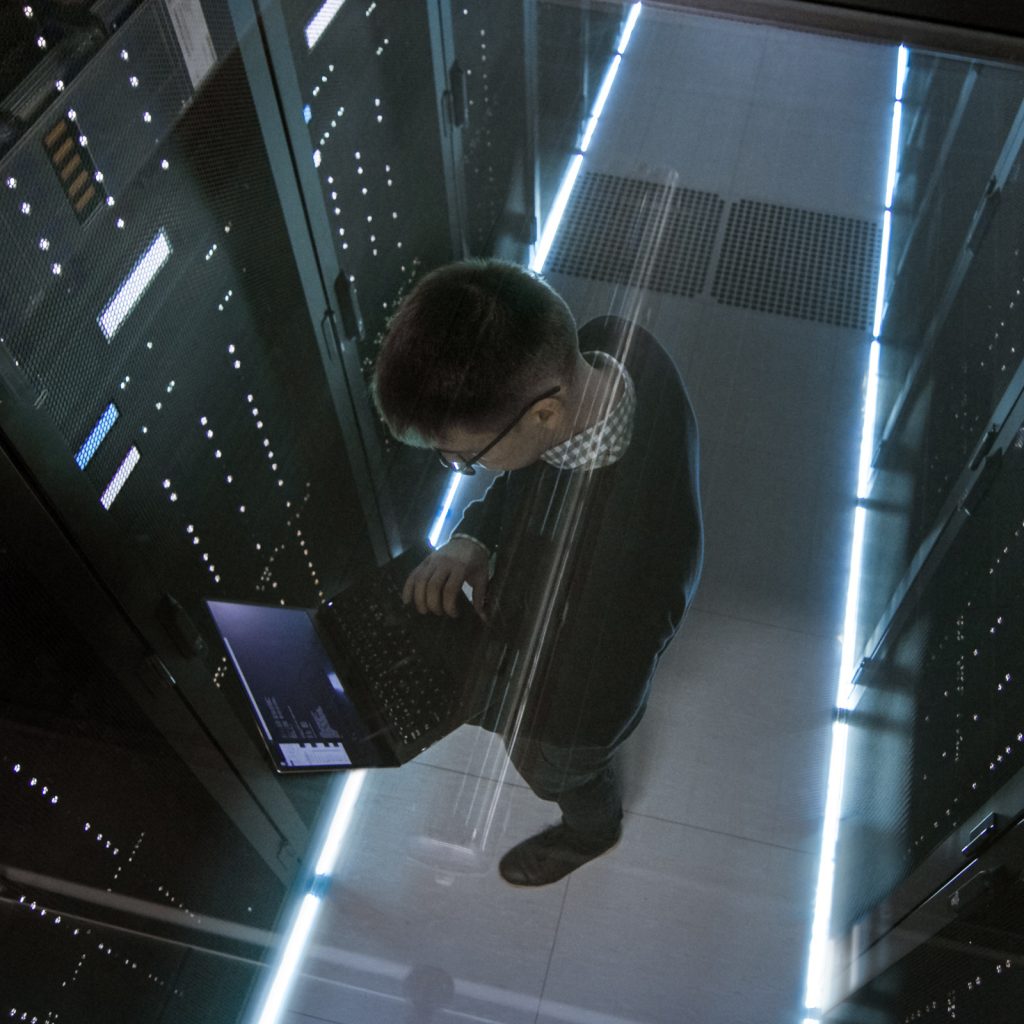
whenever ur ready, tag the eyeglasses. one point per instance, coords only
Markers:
(465, 466)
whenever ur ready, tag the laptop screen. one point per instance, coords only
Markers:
(299, 701)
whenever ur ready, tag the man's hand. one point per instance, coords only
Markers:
(434, 585)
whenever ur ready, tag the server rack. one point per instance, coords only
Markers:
(208, 216)
(934, 788)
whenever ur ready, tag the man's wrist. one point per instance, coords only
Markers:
(473, 540)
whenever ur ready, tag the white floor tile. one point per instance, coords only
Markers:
(777, 539)
(736, 736)
(678, 925)
(417, 893)
(472, 751)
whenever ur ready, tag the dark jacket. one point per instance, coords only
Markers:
(596, 596)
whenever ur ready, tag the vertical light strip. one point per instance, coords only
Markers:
(318, 24)
(551, 225)
(883, 268)
(120, 478)
(134, 286)
(454, 483)
(819, 966)
(298, 935)
(902, 62)
(894, 147)
(627, 33)
(867, 437)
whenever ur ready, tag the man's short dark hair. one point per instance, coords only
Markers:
(467, 348)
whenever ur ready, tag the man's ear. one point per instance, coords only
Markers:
(547, 412)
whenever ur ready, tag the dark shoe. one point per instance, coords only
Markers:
(551, 855)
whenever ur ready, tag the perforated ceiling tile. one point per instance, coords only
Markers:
(815, 266)
(632, 231)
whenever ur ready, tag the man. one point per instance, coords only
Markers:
(589, 545)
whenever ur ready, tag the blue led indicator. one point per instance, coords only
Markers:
(307, 113)
(95, 438)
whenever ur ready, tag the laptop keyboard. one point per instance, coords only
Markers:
(413, 689)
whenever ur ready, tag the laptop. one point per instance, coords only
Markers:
(363, 681)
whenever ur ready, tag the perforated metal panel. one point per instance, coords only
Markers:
(940, 727)
(370, 106)
(165, 336)
(971, 971)
(613, 224)
(800, 263)
(101, 814)
(490, 51)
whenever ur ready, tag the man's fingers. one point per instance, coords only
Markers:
(479, 585)
(434, 585)
(450, 594)
(434, 588)
(407, 588)
(420, 586)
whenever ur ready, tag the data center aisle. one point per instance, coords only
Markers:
(703, 912)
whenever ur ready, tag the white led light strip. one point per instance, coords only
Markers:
(819, 967)
(120, 478)
(320, 21)
(134, 286)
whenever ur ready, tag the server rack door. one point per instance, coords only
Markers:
(365, 103)
(952, 324)
(491, 68)
(169, 379)
(936, 737)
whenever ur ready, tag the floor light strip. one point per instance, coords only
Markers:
(819, 967)
(547, 235)
(294, 947)
(340, 823)
(299, 931)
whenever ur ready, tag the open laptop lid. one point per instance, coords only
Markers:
(307, 719)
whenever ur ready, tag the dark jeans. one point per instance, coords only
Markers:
(583, 781)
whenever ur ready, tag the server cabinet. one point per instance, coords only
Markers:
(952, 324)
(170, 386)
(492, 82)
(138, 873)
(209, 209)
(936, 731)
(181, 419)
(937, 737)
(958, 956)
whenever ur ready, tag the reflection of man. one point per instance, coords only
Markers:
(593, 531)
